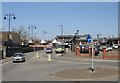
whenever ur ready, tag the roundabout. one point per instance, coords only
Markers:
(84, 74)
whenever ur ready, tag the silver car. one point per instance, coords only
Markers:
(18, 57)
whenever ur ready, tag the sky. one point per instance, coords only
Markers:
(87, 17)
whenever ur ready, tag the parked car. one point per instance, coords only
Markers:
(84, 48)
(18, 57)
(115, 46)
(109, 48)
(97, 49)
(101, 48)
(48, 50)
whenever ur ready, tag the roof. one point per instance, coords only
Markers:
(43, 41)
(54, 41)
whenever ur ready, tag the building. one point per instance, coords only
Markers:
(72, 38)
(108, 41)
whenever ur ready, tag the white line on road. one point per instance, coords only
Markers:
(71, 62)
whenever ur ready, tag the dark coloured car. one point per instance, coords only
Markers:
(84, 48)
(97, 49)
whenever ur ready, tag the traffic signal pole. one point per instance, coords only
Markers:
(90, 40)
(92, 69)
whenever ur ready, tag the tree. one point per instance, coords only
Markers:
(23, 34)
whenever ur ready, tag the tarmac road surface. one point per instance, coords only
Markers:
(39, 69)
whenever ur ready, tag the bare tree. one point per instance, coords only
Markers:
(23, 34)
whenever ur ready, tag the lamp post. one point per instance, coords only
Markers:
(62, 34)
(76, 34)
(9, 17)
(44, 32)
(32, 27)
(62, 37)
(61, 31)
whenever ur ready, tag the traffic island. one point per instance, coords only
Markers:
(87, 75)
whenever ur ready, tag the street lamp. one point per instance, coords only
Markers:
(61, 26)
(9, 17)
(62, 37)
(62, 32)
(44, 32)
(76, 36)
(32, 27)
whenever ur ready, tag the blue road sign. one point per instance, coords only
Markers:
(89, 39)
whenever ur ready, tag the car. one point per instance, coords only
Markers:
(109, 48)
(98, 47)
(59, 50)
(18, 57)
(115, 46)
(97, 50)
(48, 50)
(101, 48)
(84, 48)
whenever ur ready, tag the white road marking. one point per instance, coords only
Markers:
(71, 62)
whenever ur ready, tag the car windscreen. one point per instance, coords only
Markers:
(48, 48)
(17, 55)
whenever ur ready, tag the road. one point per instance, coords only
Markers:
(39, 69)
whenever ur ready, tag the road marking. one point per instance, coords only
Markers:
(71, 62)
(94, 60)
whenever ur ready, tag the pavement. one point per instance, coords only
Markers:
(7, 59)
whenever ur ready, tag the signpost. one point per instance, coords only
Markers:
(89, 40)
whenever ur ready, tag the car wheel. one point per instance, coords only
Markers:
(24, 60)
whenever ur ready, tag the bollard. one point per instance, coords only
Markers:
(37, 55)
(78, 51)
(104, 52)
(49, 57)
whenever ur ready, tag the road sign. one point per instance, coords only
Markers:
(89, 39)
